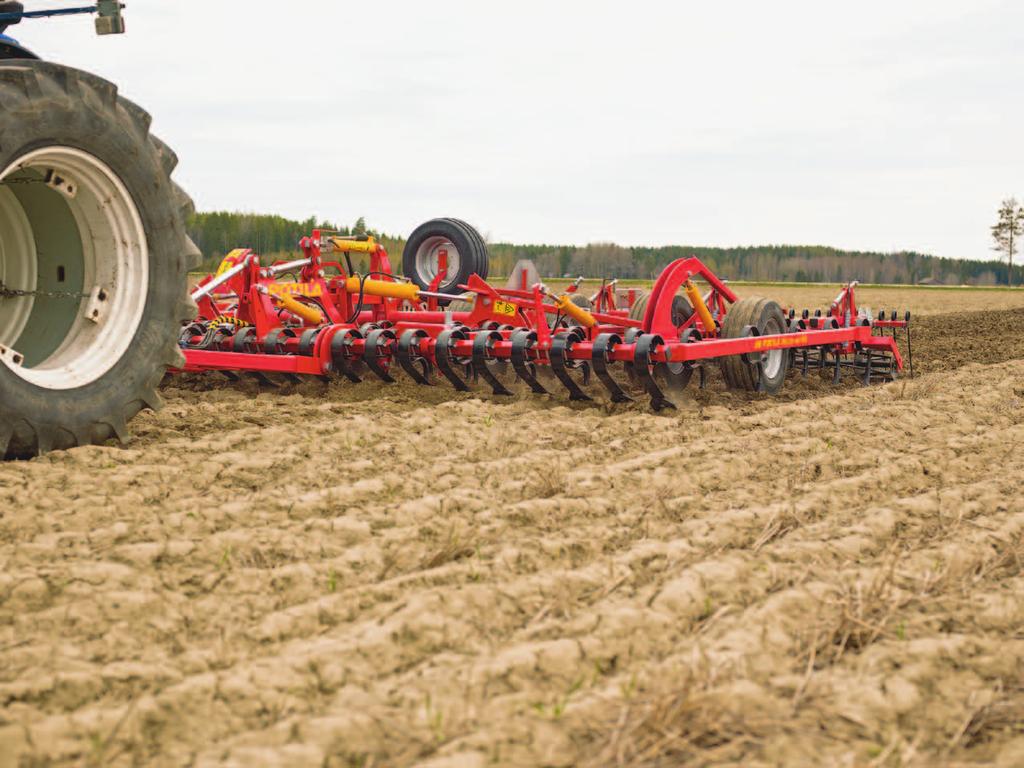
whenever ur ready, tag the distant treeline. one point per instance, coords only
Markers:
(277, 237)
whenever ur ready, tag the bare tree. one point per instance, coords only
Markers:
(1006, 232)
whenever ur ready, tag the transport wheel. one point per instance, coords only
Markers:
(484, 259)
(767, 316)
(681, 309)
(464, 246)
(93, 260)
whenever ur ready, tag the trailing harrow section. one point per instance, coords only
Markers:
(331, 319)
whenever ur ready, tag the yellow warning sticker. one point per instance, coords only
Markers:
(505, 308)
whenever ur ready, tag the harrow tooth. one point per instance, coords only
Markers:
(375, 352)
(644, 369)
(342, 359)
(603, 346)
(523, 341)
(483, 342)
(560, 363)
(413, 363)
(866, 364)
(446, 364)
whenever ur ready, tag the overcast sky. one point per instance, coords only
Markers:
(871, 125)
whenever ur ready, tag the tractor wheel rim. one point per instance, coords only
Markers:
(773, 358)
(428, 255)
(70, 228)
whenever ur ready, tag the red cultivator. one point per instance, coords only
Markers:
(332, 320)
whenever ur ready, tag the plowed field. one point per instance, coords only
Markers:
(361, 575)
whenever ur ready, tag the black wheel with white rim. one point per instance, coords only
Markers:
(461, 246)
(768, 318)
(93, 260)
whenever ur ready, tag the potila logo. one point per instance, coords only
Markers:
(297, 289)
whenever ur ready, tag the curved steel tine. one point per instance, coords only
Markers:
(341, 357)
(630, 337)
(603, 345)
(522, 341)
(645, 345)
(413, 363)
(482, 344)
(443, 358)
(560, 347)
(376, 339)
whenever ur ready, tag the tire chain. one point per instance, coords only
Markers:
(15, 293)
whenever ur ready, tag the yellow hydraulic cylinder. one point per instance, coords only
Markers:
(699, 306)
(297, 308)
(344, 245)
(577, 313)
(388, 290)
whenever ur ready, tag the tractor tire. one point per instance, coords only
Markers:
(466, 254)
(94, 255)
(767, 316)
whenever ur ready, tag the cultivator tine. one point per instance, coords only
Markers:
(375, 352)
(644, 368)
(603, 346)
(560, 363)
(483, 342)
(263, 379)
(837, 375)
(522, 342)
(444, 360)
(342, 359)
(413, 363)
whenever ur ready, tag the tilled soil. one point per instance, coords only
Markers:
(368, 575)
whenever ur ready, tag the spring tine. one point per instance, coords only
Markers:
(523, 340)
(560, 347)
(263, 379)
(372, 354)
(630, 337)
(482, 344)
(603, 346)
(642, 365)
(443, 357)
(341, 354)
(412, 362)
(867, 367)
